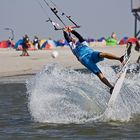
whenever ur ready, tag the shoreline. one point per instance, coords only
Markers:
(16, 68)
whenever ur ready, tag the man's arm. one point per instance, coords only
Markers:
(70, 30)
(81, 39)
(67, 37)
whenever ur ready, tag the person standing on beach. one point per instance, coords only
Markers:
(114, 36)
(87, 56)
(25, 45)
(36, 42)
(10, 42)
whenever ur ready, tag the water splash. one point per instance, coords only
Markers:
(61, 95)
(127, 105)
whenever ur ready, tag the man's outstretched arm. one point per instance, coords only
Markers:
(81, 39)
(70, 30)
(67, 37)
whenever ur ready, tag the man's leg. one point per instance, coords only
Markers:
(105, 81)
(110, 56)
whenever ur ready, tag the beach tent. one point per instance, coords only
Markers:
(19, 43)
(101, 39)
(111, 42)
(6, 44)
(45, 46)
(123, 41)
(133, 40)
(3, 44)
(48, 44)
(52, 43)
(31, 46)
(61, 43)
(90, 40)
(41, 42)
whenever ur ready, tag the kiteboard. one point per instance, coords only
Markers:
(122, 74)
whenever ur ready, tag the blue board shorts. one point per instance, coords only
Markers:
(90, 61)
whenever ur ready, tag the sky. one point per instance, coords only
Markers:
(97, 18)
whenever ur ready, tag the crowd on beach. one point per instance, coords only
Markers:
(26, 43)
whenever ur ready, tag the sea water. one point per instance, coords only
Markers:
(61, 103)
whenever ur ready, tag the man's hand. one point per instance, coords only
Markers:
(68, 29)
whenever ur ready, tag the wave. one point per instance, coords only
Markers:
(62, 95)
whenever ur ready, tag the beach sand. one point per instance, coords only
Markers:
(16, 68)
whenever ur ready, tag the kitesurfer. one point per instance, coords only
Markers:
(87, 56)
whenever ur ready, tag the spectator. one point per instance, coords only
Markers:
(36, 42)
(114, 36)
(25, 45)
